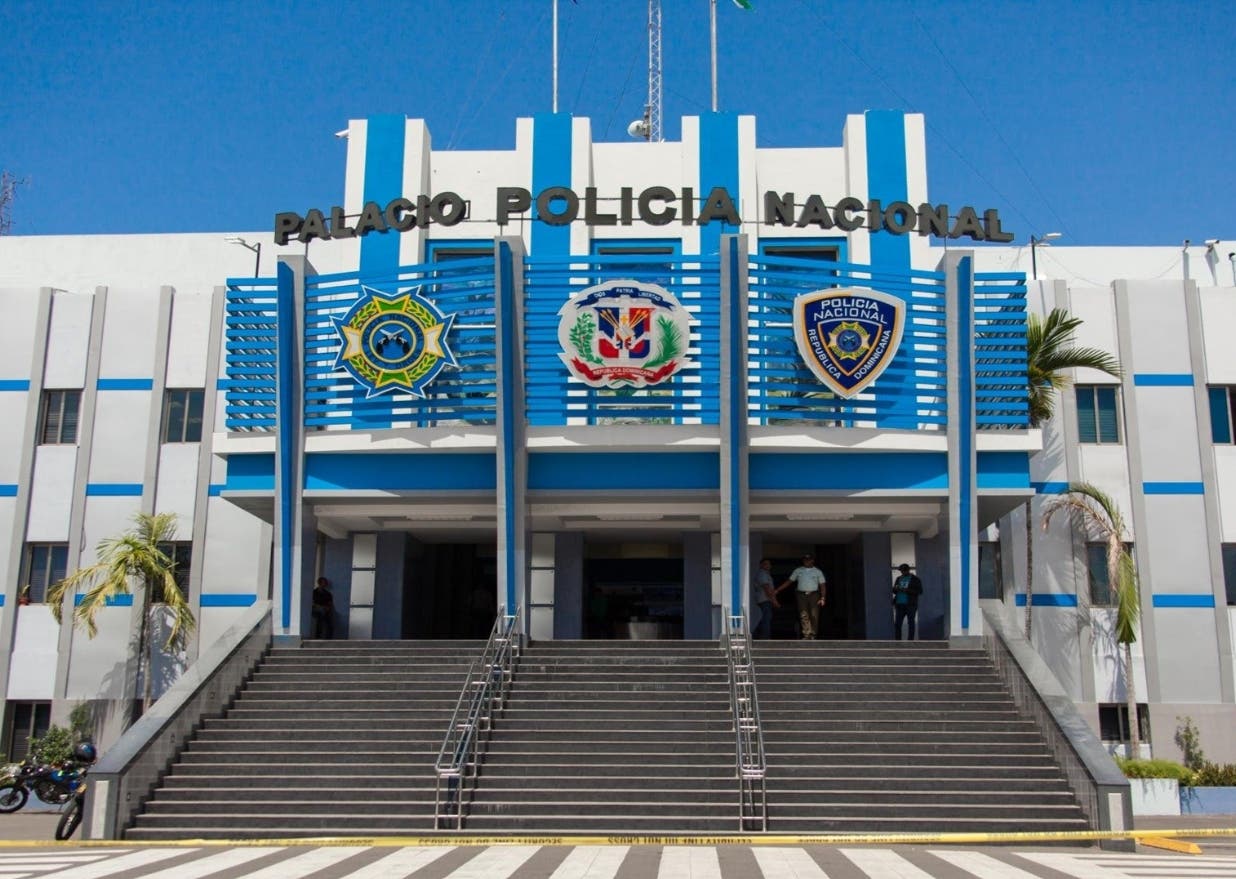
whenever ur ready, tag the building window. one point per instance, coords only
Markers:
(820, 253)
(990, 583)
(58, 420)
(180, 552)
(44, 564)
(26, 720)
(1098, 413)
(1222, 406)
(1114, 722)
(1096, 572)
(182, 415)
(1229, 572)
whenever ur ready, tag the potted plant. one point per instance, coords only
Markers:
(23, 597)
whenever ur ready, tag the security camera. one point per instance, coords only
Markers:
(1211, 242)
(1186, 243)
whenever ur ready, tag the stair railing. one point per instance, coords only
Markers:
(480, 700)
(748, 736)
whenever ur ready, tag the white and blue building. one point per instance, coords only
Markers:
(405, 400)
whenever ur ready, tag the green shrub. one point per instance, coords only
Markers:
(1214, 775)
(54, 746)
(1153, 769)
(1190, 743)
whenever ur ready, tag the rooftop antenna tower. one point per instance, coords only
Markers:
(649, 128)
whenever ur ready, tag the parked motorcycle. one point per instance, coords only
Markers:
(55, 785)
(71, 815)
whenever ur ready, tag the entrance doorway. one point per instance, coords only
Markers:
(450, 590)
(842, 617)
(633, 591)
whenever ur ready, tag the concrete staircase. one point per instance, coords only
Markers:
(333, 737)
(612, 737)
(871, 736)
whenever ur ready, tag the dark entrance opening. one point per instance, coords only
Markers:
(633, 598)
(450, 590)
(842, 563)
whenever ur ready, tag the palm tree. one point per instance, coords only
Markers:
(1049, 353)
(136, 555)
(1093, 513)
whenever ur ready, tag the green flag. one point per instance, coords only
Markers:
(744, 4)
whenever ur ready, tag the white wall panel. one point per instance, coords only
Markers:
(106, 517)
(97, 665)
(1167, 431)
(1095, 306)
(51, 495)
(177, 485)
(360, 623)
(13, 416)
(190, 335)
(68, 341)
(20, 310)
(212, 622)
(1109, 660)
(1187, 652)
(118, 449)
(130, 333)
(1159, 328)
(1225, 475)
(32, 676)
(1055, 635)
(1107, 466)
(1178, 543)
(1218, 318)
(236, 557)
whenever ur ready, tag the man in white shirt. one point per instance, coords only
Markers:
(811, 595)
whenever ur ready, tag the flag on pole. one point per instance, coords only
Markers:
(744, 4)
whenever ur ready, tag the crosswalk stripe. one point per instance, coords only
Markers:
(689, 862)
(497, 862)
(400, 863)
(1070, 865)
(981, 865)
(884, 863)
(131, 861)
(223, 860)
(591, 862)
(304, 864)
(775, 863)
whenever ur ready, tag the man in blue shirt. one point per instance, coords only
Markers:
(906, 590)
(762, 600)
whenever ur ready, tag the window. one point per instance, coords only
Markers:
(58, 420)
(180, 552)
(44, 564)
(1098, 414)
(1229, 572)
(1114, 722)
(26, 719)
(1096, 571)
(822, 253)
(1222, 406)
(182, 415)
(990, 583)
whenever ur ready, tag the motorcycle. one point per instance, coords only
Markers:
(54, 785)
(72, 815)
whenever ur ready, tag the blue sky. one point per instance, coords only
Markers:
(1112, 123)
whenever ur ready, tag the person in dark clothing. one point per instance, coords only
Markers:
(906, 589)
(323, 610)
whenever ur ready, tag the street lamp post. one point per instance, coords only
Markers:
(1036, 243)
(256, 248)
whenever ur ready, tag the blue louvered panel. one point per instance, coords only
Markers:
(467, 395)
(249, 356)
(782, 390)
(554, 397)
(1001, 398)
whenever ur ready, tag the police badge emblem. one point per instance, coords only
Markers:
(394, 342)
(848, 336)
(624, 334)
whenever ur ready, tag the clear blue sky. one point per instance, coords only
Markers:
(1110, 122)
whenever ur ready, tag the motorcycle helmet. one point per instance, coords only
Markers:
(85, 753)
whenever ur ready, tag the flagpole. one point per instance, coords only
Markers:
(556, 56)
(713, 29)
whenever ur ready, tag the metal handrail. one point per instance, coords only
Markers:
(749, 763)
(481, 698)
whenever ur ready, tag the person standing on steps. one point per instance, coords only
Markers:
(763, 600)
(811, 592)
(907, 588)
(323, 610)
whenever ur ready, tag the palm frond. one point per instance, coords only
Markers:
(1050, 352)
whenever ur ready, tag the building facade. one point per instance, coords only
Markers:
(598, 382)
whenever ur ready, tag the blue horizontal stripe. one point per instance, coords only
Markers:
(1, 601)
(1204, 600)
(1050, 487)
(1163, 380)
(113, 489)
(849, 470)
(1003, 470)
(215, 489)
(8, 490)
(1048, 599)
(114, 601)
(250, 473)
(1173, 488)
(400, 471)
(624, 471)
(228, 599)
(125, 384)
(14, 384)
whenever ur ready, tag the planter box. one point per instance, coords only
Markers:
(1208, 800)
(1155, 796)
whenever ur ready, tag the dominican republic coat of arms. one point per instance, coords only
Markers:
(394, 342)
(848, 336)
(624, 334)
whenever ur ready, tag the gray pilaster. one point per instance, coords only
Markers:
(735, 515)
(512, 454)
(965, 619)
